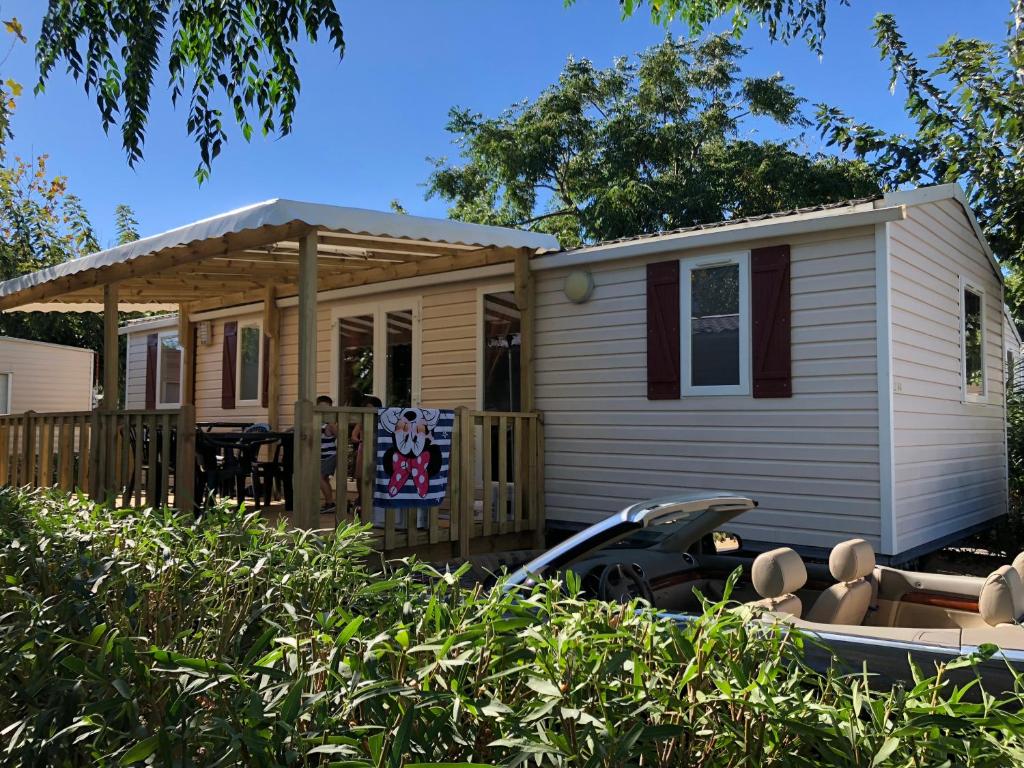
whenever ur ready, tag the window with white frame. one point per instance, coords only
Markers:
(715, 307)
(376, 352)
(168, 370)
(5, 393)
(502, 325)
(972, 337)
(250, 362)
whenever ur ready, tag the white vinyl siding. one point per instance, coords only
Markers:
(949, 455)
(448, 329)
(135, 370)
(46, 378)
(810, 460)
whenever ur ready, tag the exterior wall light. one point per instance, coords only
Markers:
(579, 286)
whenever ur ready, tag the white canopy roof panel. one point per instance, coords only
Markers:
(370, 230)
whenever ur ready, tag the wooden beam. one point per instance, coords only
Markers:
(272, 327)
(149, 264)
(524, 294)
(397, 245)
(307, 319)
(307, 443)
(187, 341)
(110, 351)
(373, 275)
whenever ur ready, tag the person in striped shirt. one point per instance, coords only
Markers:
(328, 457)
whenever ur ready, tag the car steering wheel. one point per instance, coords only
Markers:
(621, 583)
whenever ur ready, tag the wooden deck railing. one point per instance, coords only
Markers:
(128, 457)
(495, 490)
(494, 499)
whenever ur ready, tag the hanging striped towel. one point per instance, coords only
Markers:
(413, 457)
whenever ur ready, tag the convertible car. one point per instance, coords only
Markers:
(666, 550)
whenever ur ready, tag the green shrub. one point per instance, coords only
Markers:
(1006, 536)
(131, 638)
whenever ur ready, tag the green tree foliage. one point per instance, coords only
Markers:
(784, 19)
(42, 224)
(222, 55)
(126, 223)
(10, 90)
(968, 114)
(134, 638)
(650, 143)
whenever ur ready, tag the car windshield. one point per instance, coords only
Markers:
(675, 534)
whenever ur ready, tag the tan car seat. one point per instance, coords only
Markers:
(1018, 566)
(847, 602)
(1001, 601)
(776, 575)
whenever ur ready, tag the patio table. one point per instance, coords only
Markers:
(243, 447)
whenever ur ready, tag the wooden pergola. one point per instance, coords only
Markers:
(264, 253)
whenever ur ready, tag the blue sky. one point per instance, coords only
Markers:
(366, 125)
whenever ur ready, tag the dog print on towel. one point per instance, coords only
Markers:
(413, 447)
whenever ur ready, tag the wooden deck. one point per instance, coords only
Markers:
(494, 498)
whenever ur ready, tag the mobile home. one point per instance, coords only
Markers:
(843, 364)
(43, 377)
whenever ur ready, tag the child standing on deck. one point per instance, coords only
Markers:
(328, 457)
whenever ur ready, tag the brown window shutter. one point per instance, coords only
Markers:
(265, 382)
(663, 330)
(227, 368)
(770, 308)
(152, 342)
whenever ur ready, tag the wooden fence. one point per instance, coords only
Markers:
(127, 457)
(494, 498)
(495, 489)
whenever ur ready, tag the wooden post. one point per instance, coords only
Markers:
(467, 461)
(307, 439)
(110, 352)
(102, 457)
(185, 461)
(272, 328)
(524, 294)
(186, 338)
(540, 517)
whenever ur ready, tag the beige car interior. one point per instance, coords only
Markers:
(851, 563)
(776, 576)
(888, 603)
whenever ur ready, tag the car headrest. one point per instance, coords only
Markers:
(851, 560)
(1001, 597)
(1018, 565)
(779, 572)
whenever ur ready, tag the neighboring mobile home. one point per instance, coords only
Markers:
(843, 365)
(42, 377)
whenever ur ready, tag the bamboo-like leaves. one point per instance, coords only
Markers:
(228, 641)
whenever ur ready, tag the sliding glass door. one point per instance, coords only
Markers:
(377, 353)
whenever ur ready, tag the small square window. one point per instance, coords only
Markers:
(973, 342)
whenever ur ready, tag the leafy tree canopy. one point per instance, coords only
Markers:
(42, 224)
(222, 55)
(650, 143)
(785, 20)
(968, 115)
